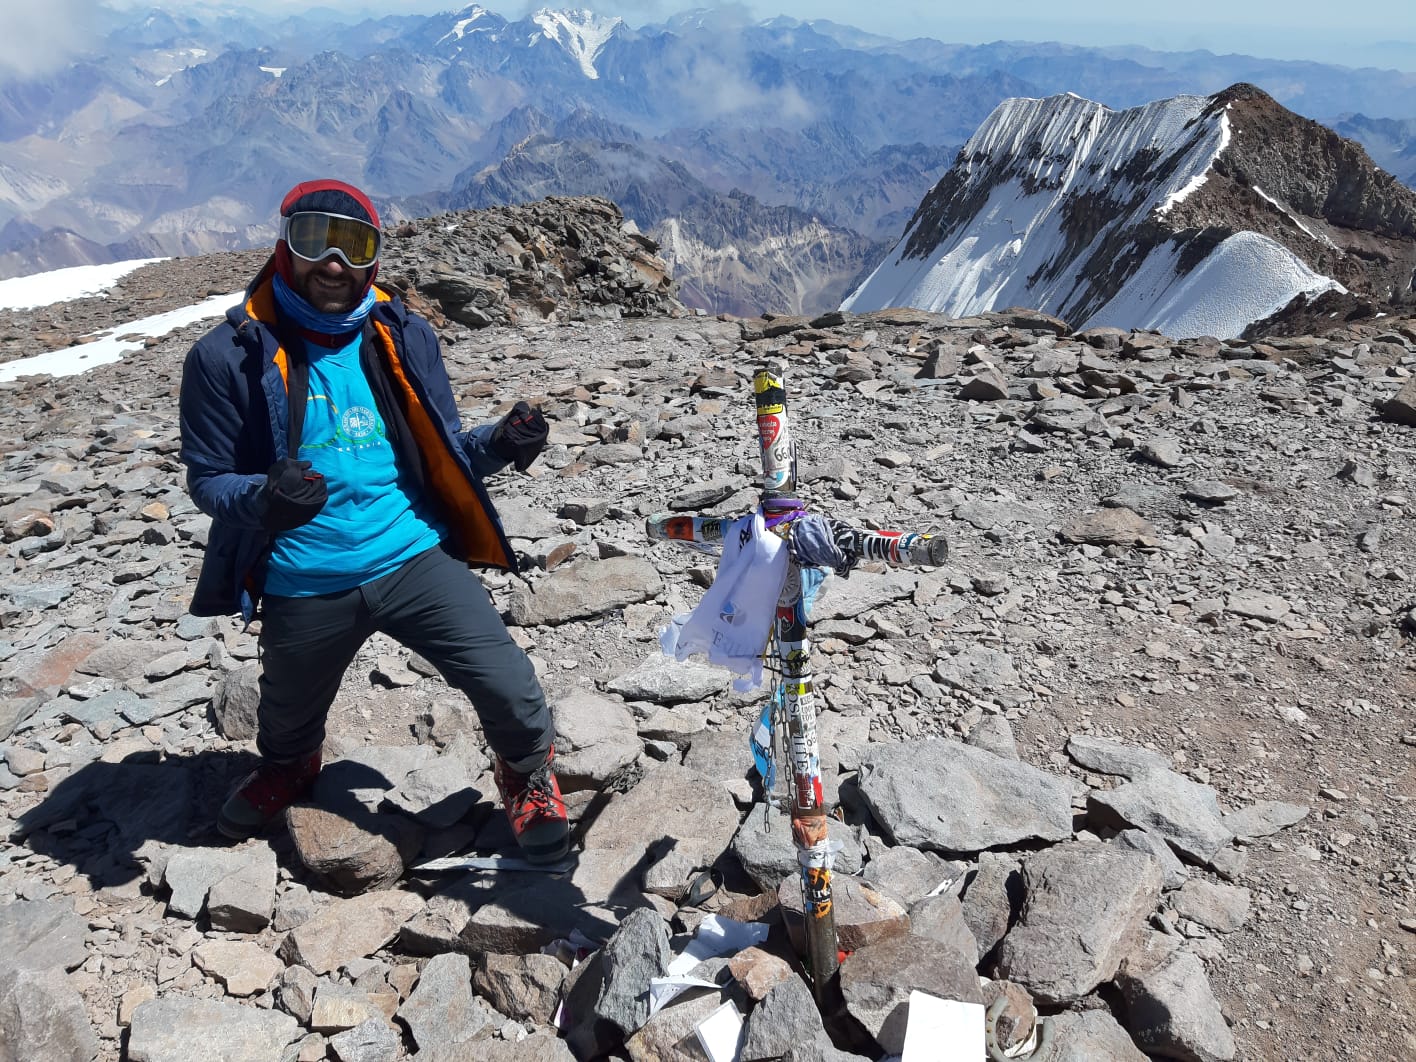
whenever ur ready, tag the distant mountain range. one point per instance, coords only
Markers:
(1196, 215)
(774, 160)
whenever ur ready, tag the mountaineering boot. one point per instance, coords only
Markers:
(265, 793)
(535, 809)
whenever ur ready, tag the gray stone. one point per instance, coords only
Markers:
(992, 898)
(1170, 805)
(1211, 491)
(1173, 872)
(994, 734)
(941, 918)
(39, 934)
(349, 929)
(234, 705)
(664, 680)
(610, 1000)
(907, 873)
(595, 737)
(372, 1040)
(440, 793)
(42, 1016)
(524, 987)
(670, 802)
(978, 669)
(1170, 1008)
(862, 592)
(1257, 605)
(1111, 527)
(191, 872)
(540, 1046)
(295, 993)
(1161, 451)
(1222, 908)
(1091, 1036)
(1083, 906)
(948, 796)
(1114, 757)
(586, 589)
(442, 1011)
(763, 845)
(786, 1016)
(167, 1028)
(877, 980)
(243, 901)
(1264, 818)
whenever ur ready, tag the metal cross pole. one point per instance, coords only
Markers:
(796, 690)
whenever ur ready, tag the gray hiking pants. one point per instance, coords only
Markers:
(435, 606)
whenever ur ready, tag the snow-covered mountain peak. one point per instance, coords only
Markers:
(1191, 215)
(581, 32)
(466, 21)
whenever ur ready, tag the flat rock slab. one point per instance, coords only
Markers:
(877, 980)
(39, 934)
(178, 1029)
(349, 929)
(42, 1016)
(1083, 907)
(441, 1010)
(584, 590)
(664, 680)
(1114, 757)
(1091, 1036)
(1112, 527)
(191, 872)
(1182, 811)
(242, 966)
(951, 797)
(244, 900)
(1222, 908)
(669, 803)
(1264, 819)
(1171, 1010)
(595, 737)
(862, 592)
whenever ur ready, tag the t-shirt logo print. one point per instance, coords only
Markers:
(347, 431)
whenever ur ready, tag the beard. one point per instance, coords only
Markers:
(330, 294)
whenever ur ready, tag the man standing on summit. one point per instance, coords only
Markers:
(320, 433)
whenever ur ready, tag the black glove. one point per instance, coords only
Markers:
(294, 495)
(520, 436)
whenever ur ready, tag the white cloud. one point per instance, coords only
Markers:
(40, 37)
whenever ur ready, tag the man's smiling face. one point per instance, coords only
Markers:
(328, 285)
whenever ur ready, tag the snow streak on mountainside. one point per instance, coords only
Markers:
(581, 33)
(1196, 215)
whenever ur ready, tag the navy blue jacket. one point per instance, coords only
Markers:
(235, 419)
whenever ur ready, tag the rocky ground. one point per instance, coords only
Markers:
(1152, 722)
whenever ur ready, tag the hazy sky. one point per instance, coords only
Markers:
(1369, 32)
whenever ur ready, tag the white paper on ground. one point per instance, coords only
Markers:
(717, 936)
(720, 1033)
(664, 990)
(943, 1030)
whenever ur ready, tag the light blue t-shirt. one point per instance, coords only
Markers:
(372, 522)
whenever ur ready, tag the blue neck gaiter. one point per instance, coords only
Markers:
(307, 317)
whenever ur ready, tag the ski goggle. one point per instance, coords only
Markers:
(315, 236)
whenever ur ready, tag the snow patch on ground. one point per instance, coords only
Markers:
(61, 285)
(110, 346)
